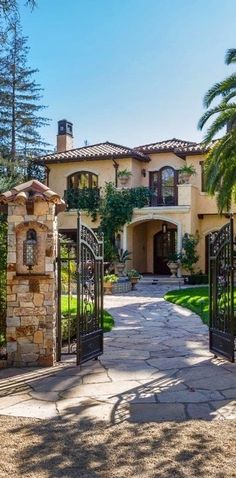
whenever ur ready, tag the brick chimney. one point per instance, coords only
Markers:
(64, 136)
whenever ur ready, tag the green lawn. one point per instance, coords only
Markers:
(108, 321)
(195, 299)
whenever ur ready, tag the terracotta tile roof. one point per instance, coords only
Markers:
(96, 151)
(31, 190)
(177, 146)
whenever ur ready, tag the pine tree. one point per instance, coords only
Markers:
(20, 107)
(10, 7)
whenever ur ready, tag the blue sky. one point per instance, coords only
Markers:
(128, 71)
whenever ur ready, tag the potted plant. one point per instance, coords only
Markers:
(108, 281)
(189, 257)
(122, 257)
(123, 176)
(173, 263)
(185, 173)
(134, 277)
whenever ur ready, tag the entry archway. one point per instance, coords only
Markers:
(138, 237)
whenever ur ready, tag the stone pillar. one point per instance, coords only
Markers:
(31, 290)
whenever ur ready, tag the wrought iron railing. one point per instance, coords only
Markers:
(87, 198)
(163, 201)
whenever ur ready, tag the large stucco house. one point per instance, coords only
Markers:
(156, 230)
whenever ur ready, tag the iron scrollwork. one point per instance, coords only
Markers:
(222, 291)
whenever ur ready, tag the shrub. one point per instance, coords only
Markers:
(197, 279)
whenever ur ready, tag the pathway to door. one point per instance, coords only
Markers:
(156, 366)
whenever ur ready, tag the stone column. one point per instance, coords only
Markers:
(31, 290)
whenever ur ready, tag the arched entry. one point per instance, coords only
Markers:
(164, 244)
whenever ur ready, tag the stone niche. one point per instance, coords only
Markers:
(41, 234)
(31, 286)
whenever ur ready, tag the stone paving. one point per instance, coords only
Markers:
(156, 366)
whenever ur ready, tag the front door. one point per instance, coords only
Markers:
(164, 246)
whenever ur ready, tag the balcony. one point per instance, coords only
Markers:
(87, 198)
(163, 201)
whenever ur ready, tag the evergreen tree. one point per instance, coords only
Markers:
(9, 7)
(20, 107)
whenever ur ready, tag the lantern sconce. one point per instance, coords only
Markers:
(164, 228)
(143, 172)
(30, 249)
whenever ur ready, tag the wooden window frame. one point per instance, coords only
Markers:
(82, 172)
(159, 198)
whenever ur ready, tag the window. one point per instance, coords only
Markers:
(168, 186)
(164, 187)
(82, 180)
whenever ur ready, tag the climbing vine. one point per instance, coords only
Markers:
(116, 210)
(114, 206)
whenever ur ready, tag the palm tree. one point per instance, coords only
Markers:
(220, 165)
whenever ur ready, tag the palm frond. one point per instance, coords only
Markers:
(230, 56)
(220, 89)
(220, 170)
(222, 107)
(223, 119)
(228, 96)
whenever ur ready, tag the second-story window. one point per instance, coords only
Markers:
(168, 185)
(164, 187)
(82, 180)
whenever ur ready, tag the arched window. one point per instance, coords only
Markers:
(164, 187)
(82, 180)
(168, 185)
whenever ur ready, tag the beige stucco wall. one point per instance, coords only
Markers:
(140, 247)
(103, 168)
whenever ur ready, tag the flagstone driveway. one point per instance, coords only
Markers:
(155, 366)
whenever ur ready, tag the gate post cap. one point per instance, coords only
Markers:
(32, 191)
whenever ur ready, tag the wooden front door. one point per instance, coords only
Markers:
(164, 245)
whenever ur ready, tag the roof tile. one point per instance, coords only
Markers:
(97, 151)
(177, 146)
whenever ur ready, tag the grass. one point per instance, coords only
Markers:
(195, 299)
(108, 321)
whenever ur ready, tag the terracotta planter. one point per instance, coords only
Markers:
(134, 281)
(185, 178)
(107, 286)
(120, 266)
(123, 180)
(173, 266)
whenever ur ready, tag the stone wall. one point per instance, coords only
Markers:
(31, 294)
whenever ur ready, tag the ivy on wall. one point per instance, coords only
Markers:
(87, 199)
(116, 210)
(114, 206)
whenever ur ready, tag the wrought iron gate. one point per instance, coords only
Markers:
(80, 296)
(221, 280)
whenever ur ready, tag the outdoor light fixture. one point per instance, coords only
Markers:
(30, 249)
(164, 228)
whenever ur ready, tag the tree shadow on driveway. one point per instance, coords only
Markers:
(68, 448)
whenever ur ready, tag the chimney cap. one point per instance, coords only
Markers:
(65, 127)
